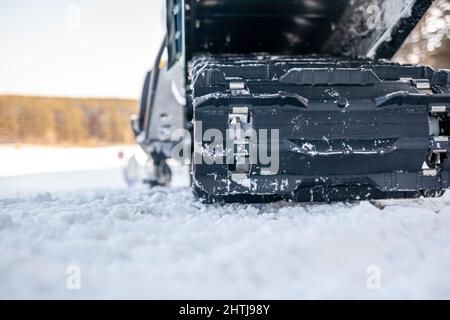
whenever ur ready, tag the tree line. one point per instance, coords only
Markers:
(65, 121)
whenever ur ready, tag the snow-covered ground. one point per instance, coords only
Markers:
(161, 243)
(28, 170)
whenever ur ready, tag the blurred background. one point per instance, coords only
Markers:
(82, 51)
(71, 73)
(429, 43)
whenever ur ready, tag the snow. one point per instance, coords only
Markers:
(16, 161)
(161, 243)
(25, 170)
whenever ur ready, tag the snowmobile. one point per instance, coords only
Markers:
(307, 84)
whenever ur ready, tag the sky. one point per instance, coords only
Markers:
(78, 48)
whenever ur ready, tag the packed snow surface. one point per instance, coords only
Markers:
(161, 243)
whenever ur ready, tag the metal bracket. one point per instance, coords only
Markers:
(239, 124)
(423, 85)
